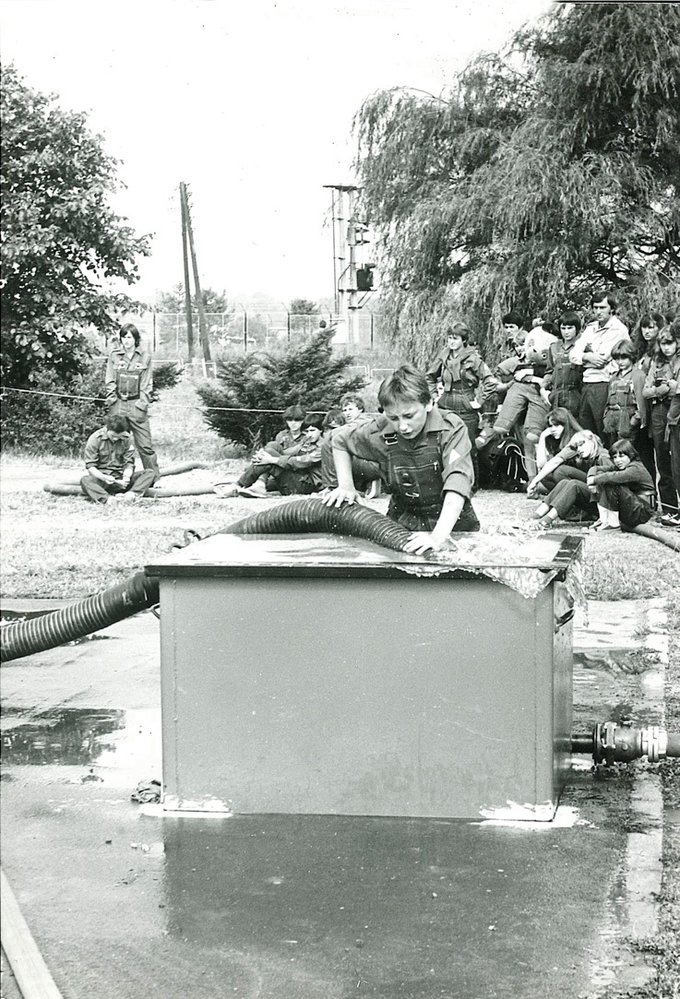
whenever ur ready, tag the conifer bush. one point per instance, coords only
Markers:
(253, 390)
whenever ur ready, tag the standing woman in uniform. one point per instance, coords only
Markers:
(129, 383)
(467, 382)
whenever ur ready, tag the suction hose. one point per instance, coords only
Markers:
(24, 638)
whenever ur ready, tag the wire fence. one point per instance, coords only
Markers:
(242, 331)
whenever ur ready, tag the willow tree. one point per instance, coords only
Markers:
(542, 173)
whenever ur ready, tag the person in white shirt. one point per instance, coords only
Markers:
(593, 350)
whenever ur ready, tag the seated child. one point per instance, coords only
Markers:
(625, 494)
(570, 495)
(286, 442)
(298, 471)
(423, 454)
(365, 473)
(110, 464)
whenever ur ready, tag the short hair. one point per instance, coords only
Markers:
(405, 382)
(118, 423)
(350, 399)
(624, 447)
(599, 296)
(550, 327)
(333, 418)
(294, 413)
(459, 329)
(129, 328)
(313, 420)
(514, 318)
(624, 348)
(571, 319)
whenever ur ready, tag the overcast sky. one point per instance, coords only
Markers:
(250, 103)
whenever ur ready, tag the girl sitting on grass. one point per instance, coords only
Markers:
(571, 495)
(625, 494)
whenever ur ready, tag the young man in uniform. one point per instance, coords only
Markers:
(110, 464)
(424, 457)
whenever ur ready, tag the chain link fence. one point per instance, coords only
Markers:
(242, 331)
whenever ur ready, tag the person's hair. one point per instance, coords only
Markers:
(561, 416)
(294, 413)
(350, 399)
(669, 334)
(117, 423)
(405, 382)
(624, 447)
(459, 329)
(313, 420)
(550, 327)
(571, 319)
(641, 345)
(333, 418)
(129, 328)
(624, 348)
(514, 318)
(599, 296)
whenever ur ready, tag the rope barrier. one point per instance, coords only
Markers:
(94, 398)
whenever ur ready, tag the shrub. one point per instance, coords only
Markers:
(54, 424)
(60, 425)
(255, 389)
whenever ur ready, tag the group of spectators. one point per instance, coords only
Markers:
(592, 413)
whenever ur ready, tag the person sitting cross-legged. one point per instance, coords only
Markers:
(110, 464)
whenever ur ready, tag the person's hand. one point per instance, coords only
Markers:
(594, 360)
(263, 457)
(424, 541)
(108, 479)
(125, 481)
(475, 405)
(339, 496)
(663, 389)
(532, 487)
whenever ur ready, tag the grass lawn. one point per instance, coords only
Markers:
(64, 547)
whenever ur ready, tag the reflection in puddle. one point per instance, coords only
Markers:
(68, 737)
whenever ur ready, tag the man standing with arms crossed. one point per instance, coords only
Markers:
(593, 350)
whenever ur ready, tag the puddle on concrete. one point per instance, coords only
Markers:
(67, 737)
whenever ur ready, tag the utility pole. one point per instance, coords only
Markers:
(344, 255)
(203, 329)
(187, 285)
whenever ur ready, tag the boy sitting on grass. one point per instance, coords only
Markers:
(110, 464)
(423, 454)
(286, 442)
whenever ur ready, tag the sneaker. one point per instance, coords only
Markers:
(670, 519)
(256, 491)
(225, 490)
(374, 490)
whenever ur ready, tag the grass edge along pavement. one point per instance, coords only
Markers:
(60, 547)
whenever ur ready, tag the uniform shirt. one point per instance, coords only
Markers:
(138, 364)
(368, 441)
(305, 455)
(465, 370)
(287, 441)
(602, 340)
(107, 455)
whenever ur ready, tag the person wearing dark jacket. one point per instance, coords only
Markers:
(624, 493)
(466, 380)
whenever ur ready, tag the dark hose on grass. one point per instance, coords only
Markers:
(24, 638)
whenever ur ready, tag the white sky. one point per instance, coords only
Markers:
(248, 101)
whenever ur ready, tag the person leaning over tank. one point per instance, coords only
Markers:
(110, 464)
(424, 458)
(129, 384)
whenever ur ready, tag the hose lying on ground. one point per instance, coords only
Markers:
(24, 638)
(69, 485)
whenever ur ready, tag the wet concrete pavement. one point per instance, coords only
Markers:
(123, 900)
